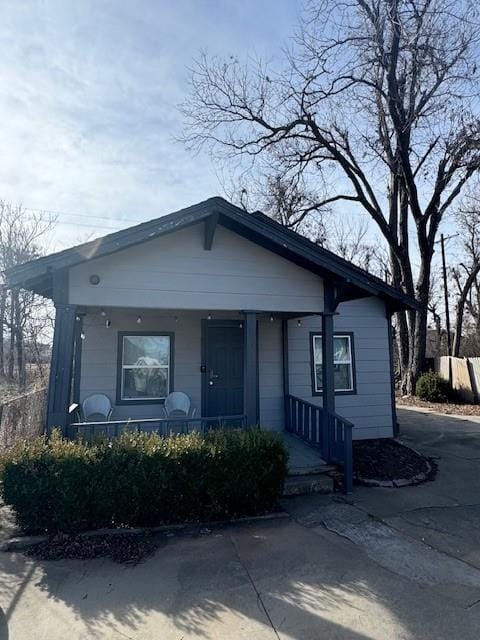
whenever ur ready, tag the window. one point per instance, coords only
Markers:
(145, 362)
(342, 359)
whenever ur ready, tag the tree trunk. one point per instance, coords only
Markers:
(3, 307)
(11, 352)
(461, 309)
(22, 373)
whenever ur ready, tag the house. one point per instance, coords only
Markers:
(254, 322)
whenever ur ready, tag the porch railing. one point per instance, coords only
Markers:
(162, 426)
(332, 434)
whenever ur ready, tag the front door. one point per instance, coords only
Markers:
(223, 368)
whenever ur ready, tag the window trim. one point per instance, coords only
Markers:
(337, 334)
(123, 334)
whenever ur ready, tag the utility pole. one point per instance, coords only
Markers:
(445, 291)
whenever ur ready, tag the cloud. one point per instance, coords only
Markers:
(88, 99)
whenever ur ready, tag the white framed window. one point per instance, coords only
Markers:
(343, 363)
(144, 367)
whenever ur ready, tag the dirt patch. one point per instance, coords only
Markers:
(389, 463)
(447, 408)
(130, 549)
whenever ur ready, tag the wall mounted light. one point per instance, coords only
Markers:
(209, 317)
(82, 335)
(139, 319)
(271, 317)
(299, 322)
(103, 313)
(108, 323)
(94, 279)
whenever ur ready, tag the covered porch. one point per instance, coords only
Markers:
(234, 365)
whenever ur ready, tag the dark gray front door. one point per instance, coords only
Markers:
(223, 368)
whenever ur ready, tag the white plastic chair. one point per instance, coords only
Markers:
(97, 405)
(178, 403)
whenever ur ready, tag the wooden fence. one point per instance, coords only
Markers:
(22, 417)
(463, 375)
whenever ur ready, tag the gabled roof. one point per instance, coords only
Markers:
(37, 275)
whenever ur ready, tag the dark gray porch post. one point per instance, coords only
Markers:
(328, 393)
(60, 381)
(250, 371)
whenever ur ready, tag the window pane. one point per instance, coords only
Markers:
(149, 351)
(342, 376)
(341, 347)
(145, 383)
(318, 377)
(317, 344)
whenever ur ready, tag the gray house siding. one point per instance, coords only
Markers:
(370, 408)
(99, 359)
(176, 272)
(270, 374)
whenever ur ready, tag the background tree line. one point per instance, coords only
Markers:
(25, 318)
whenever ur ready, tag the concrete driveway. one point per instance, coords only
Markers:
(388, 564)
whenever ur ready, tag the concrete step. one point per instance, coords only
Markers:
(311, 470)
(306, 484)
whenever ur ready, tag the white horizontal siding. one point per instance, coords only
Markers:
(175, 272)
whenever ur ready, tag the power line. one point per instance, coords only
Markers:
(78, 215)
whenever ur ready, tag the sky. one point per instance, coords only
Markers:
(89, 93)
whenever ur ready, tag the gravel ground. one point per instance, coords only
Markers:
(130, 549)
(443, 407)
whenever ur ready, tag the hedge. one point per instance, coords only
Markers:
(433, 388)
(142, 479)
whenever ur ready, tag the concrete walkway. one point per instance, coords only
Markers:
(303, 459)
(396, 564)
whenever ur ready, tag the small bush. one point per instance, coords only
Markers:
(431, 387)
(142, 479)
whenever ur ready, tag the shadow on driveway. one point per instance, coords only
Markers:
(333, 570)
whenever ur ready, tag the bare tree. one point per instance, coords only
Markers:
(374, 106)
(24, 316)
(466, 274)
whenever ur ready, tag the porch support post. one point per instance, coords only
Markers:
(286, 375)
(59, 386)
(77, 361)
(250, 369)
(328, 391)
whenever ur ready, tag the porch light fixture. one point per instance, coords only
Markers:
(271, 317)
(299, 322)
(139, 319)
(82, 335)
(209, 317)
(175, 318)
(108, 323)
(103, 313)
(241, 325)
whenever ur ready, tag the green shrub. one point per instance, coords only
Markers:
(142, 479)
(431, 387)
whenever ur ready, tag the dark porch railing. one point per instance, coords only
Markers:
(162, 426)
(307, 421)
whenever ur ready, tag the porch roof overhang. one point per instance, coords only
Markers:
(350, 281)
